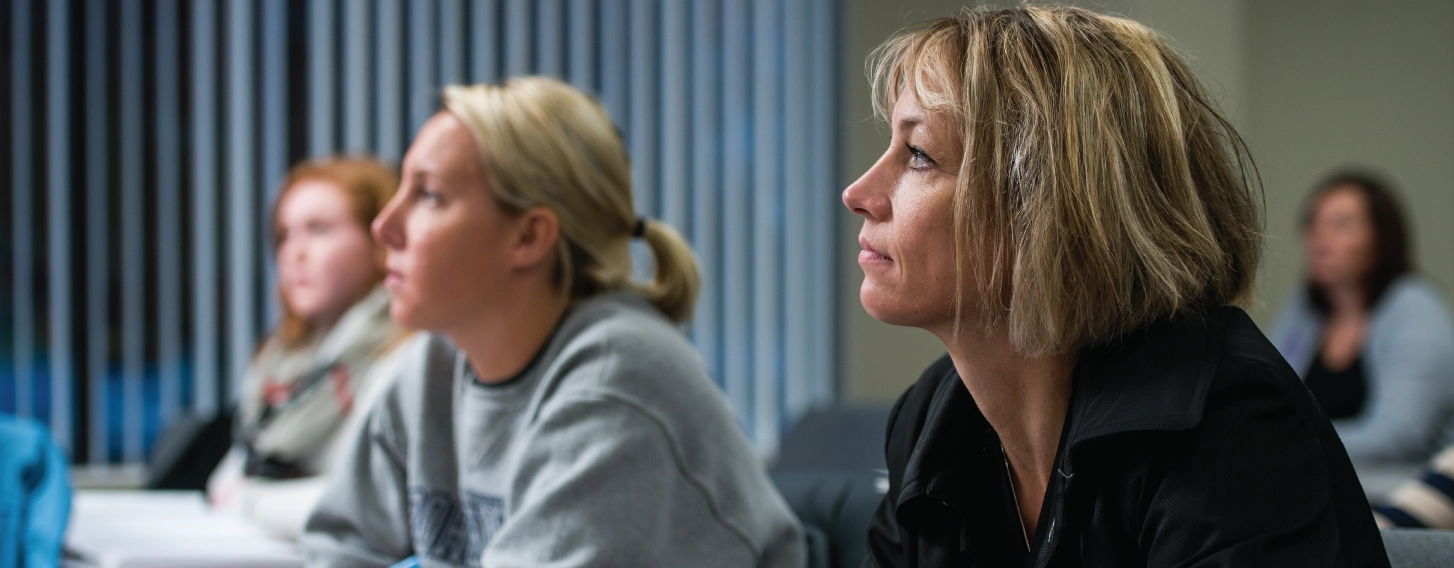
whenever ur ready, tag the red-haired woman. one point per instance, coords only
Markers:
(305, 392)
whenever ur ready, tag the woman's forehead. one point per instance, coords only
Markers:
(1342, 199)
(910, 111)
(441, 141)
(312, 194)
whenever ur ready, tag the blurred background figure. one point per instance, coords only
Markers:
(307, 390)
(1372, 340)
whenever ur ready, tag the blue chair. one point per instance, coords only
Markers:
(35, 495)
(842, 437)
(830, 471)
(835, 507)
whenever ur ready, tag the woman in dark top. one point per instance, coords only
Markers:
(1063, 207)
(1373, 341)
(1340, 392)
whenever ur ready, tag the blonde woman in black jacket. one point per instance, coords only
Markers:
(1064, 208)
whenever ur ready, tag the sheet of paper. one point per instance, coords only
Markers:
(168, 529)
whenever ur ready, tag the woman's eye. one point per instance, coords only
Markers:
(427, 195)
(317, 228)
(919, 159)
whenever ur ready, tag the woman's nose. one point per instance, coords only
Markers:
(385, 226)
(868, 196)
(289, 254)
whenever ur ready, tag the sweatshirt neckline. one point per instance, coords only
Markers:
(468, 371)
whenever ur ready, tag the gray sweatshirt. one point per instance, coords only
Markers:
(612, 448)
(1408, 359)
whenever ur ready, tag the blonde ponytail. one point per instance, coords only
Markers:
(674, 288)
(544, 143)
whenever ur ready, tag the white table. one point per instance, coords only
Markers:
(166, 529)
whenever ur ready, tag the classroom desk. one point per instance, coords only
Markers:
(166, 529)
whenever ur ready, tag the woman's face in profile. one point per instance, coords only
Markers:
(907, 240)
(1339, 239)
(325, 257)
(447, 239)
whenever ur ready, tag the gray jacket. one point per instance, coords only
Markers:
(1408, 360)
(613, 448)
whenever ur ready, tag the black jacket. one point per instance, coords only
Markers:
(1188, 443)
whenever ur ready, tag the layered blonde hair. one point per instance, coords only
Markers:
(369, 185)
(544, 143)
(1100, 188)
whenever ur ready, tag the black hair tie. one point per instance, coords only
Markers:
(640, 229)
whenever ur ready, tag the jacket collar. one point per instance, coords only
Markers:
(1155, 378)
(1152, 379)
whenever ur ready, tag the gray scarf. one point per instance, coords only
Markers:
(293, 400)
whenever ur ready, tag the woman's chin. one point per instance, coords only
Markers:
(884, 309)
(403, 315)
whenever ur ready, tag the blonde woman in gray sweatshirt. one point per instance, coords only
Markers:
(555, 416)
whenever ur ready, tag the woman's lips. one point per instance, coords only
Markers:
(393, 279)
(869, 255)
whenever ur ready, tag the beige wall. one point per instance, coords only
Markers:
(879, 360)
(1311, 85)
(1363, 83)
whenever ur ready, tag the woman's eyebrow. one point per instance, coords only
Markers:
(420, 174)
(908, 124)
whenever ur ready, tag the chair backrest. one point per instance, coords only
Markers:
(838, 504)
(844, 437)
(1419, 548)
(820, 550)
(188, 451)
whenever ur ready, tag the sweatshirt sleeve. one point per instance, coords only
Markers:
(362, 519)
(600, 485)
(1411, 378)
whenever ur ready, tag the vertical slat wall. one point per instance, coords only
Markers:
(22, 207)
(736, 270)
(144, 168)
(168, 210)
(389, 103)
(822, 160)
(356, 68)
(207, 371)
(767, 220)
(97, 251)
(242, 188)
(60, 349)
(451, 42)
(705, 177)
(131, 137)
(274, 108)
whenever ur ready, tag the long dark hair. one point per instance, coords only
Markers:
(1390, 234)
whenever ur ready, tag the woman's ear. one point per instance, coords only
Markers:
(537, 230)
